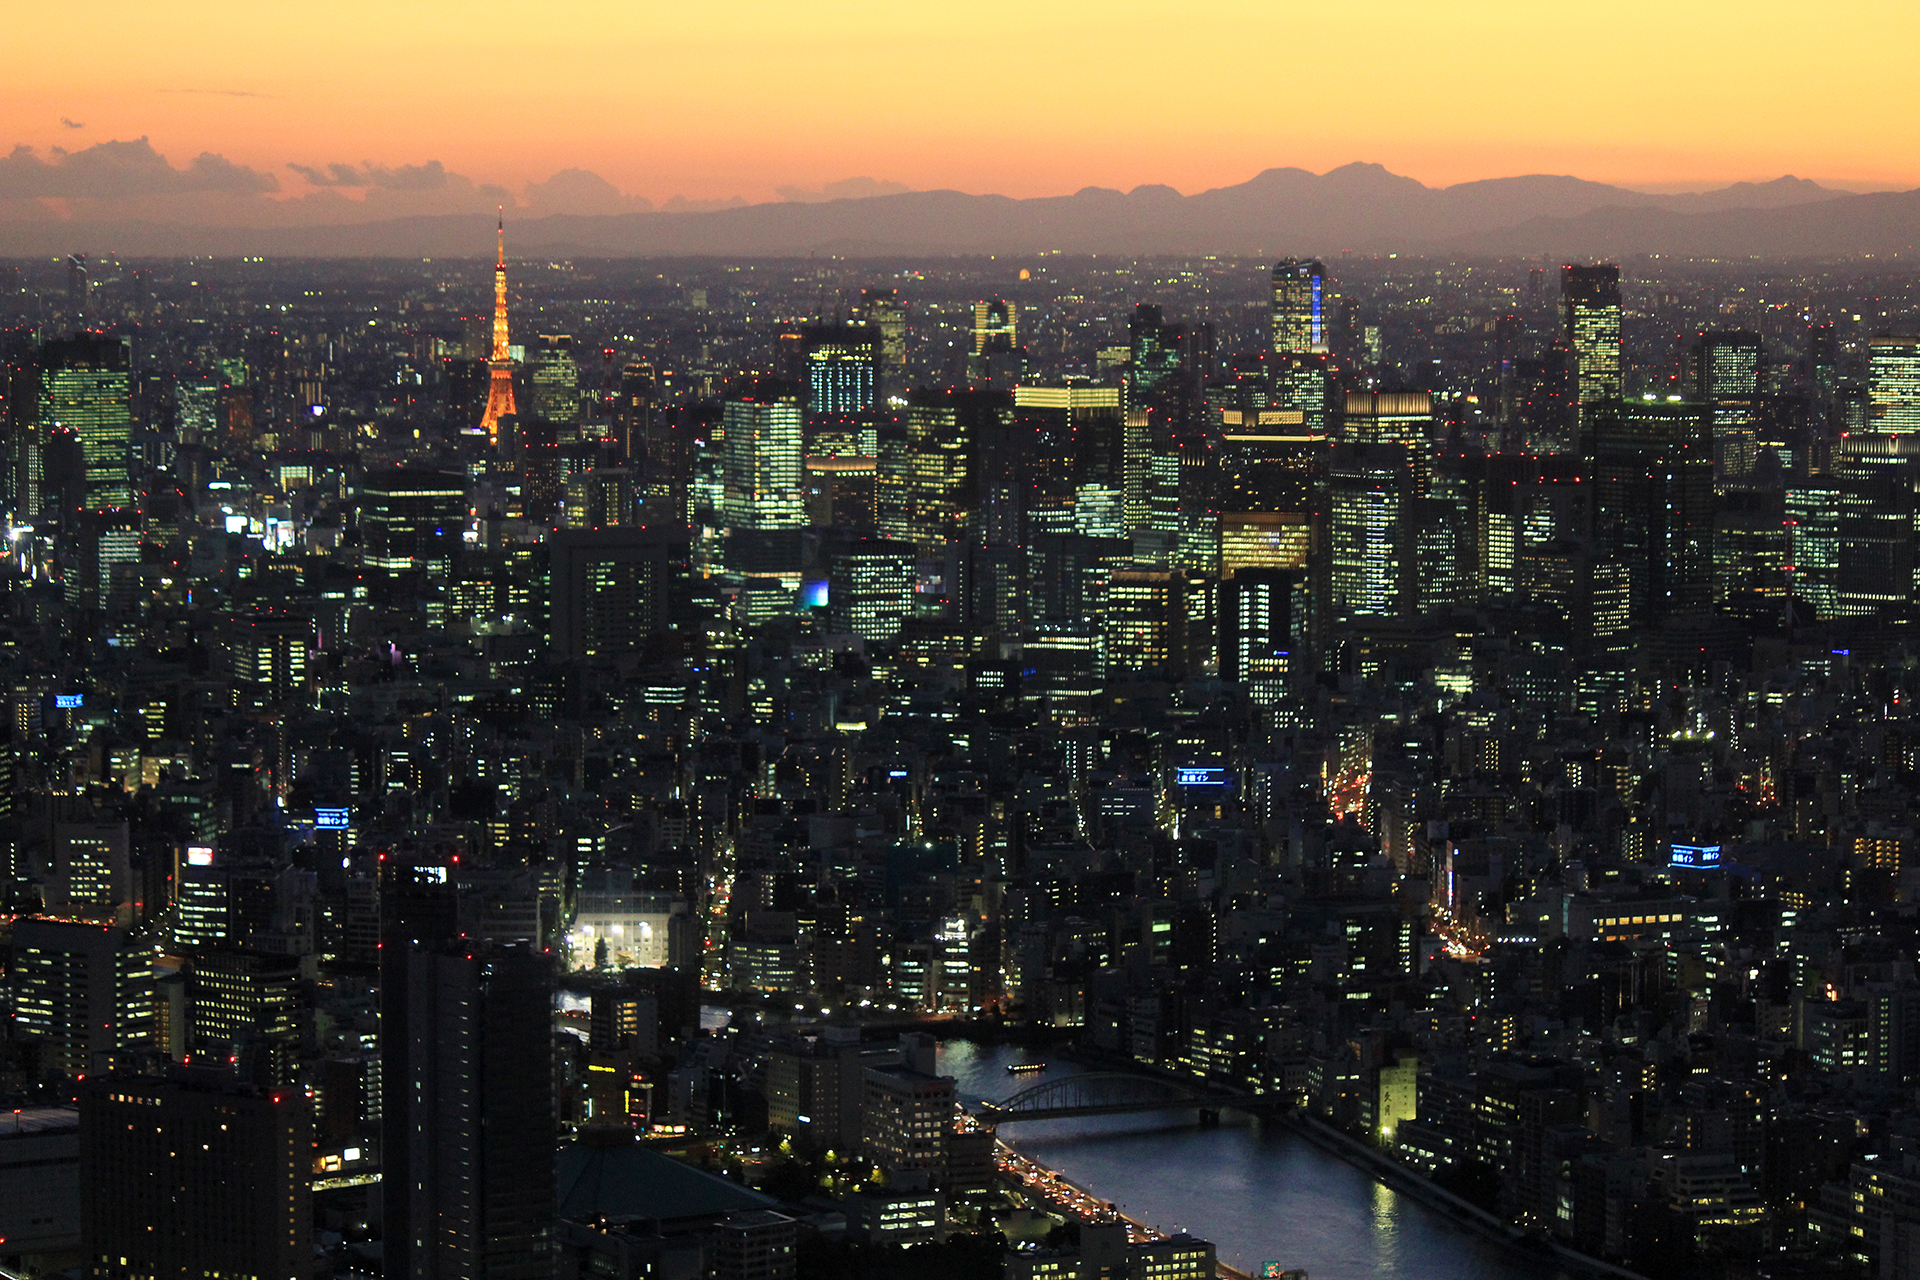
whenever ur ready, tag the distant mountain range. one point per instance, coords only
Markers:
(1361, 208)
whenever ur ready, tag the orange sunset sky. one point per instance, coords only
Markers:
(721, 98)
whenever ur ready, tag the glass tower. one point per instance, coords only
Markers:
(1893, 386)
(84, 391)
(1299, 307)
(1590, 320)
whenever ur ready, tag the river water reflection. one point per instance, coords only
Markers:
(1258, 1191)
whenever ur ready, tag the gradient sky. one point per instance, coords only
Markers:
(739, 97)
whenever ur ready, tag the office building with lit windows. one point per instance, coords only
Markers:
(81, 992)
(1264, 620)
(411, 519)
(996, 326)
(1590, 327)
(614, 588)
(840, 363)
(1299, 316)
(1893, 386)
(85, 392)
(1653, 503)
(870, 588)
(763, 458)
(1369, 488)
(195, 1177)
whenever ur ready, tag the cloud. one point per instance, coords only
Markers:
(431, 176)
(845, 189)
(72, 124)
(121, 171)
(581, 192)
(220, 93)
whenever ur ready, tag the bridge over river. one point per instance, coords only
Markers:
(1111, 1093)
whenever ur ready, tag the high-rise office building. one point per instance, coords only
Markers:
(79, 300)
(85, 394)
(763, 456)
(556, 378)
(1370, 488)
(996, 326)
(1877, 553)
(244, 1011)
(1299, 308)
(1812, 513)
(1264, 621)
(633, 410)
(942, 461)
(1727, 367)
(906, 1116)
(1893, 386)
(883, 310)
(411, 519)
(1144, 622)
(1087, 457)
(1590, 326)
(467, 1104)
(840, 365)
(870, 587)
(194, 1177)
(1652, 466)
(614, 588)
(80, 992)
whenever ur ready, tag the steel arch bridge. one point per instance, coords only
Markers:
(1099, 1093)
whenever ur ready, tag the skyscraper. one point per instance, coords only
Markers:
(467, 1107)
(1370, 488)
(411, 519)
(500, 364)
(996, 326)
(556, 377)
(1726, 374)
(840, 362)
(1299, 307)
(1085, 453)
(763, 457)
(870, 588)
(77, 290)
(80, 991)
(882, 309)
(1893, 386)
(1652, 466)
(1590, 326)
(613, 588)
(85, 393)
(193, 1177)
(1264, 616)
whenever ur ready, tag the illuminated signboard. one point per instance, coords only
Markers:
(68, 701)
(199, 855)
(330, 819)
(1201, 777)
(1696, 856)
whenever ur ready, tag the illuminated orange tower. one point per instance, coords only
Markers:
(500, 387)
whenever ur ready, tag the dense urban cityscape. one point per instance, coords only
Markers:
(546, 769)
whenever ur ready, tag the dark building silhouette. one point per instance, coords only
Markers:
(194, 1176)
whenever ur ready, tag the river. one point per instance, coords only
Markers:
(1259, 1191)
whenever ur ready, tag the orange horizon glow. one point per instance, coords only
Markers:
(739, 99)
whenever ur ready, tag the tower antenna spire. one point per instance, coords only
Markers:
(500, 384)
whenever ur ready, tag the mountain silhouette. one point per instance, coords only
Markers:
(1358, 208)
